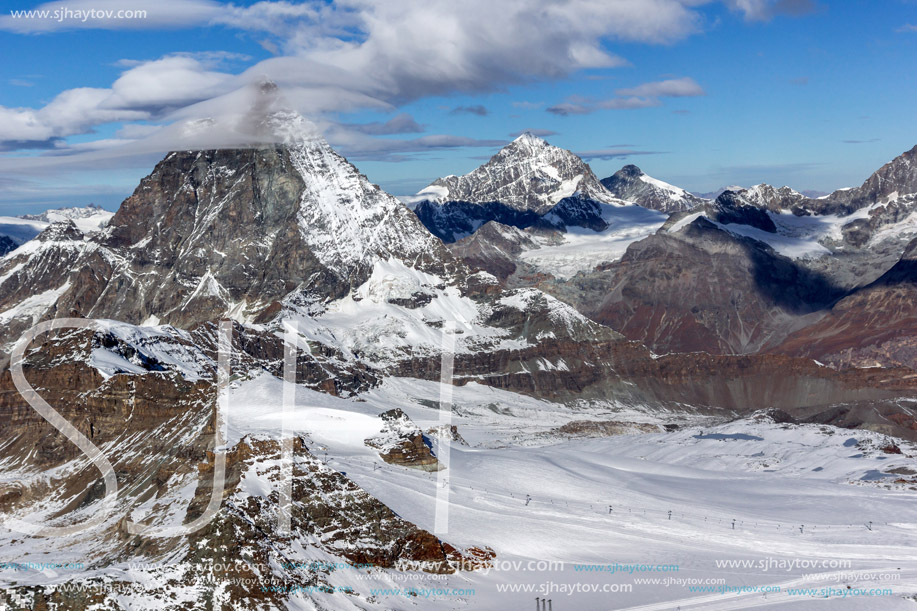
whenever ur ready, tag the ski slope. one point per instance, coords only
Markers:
(803, 497)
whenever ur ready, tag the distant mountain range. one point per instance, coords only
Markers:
(553, 286)
(14, 230)
(810, 193)
(754, 265)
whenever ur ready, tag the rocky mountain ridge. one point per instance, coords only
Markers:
(528, 183)
(779, 261)
(632, 184)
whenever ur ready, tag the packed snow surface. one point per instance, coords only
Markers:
(803, 498)
(728, 515)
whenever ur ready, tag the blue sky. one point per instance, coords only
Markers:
(816, 95)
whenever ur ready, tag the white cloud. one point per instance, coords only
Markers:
(671, 88)
(345, 56)
(147, 90)
(765, 10)
(74, 111)
(642, 96)
(584, 107)
(166, 83)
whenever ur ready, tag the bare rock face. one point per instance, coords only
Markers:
(227, 232)
(896, 178)
(7, 245)
(402, 443)
(873, 326)
(732, 208)
(701, 288)
(494, 248)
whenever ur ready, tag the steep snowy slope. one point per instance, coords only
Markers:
(528, 183)
(631, 184)
(591, 522)
(527, 174)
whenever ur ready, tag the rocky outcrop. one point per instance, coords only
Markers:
(401, 442)
(157, 429)
(720, 385)
(603, 428)
(896, 178)
(7, 245)
(767, 197)
(494, 248)
(455, 220)
(731, 208)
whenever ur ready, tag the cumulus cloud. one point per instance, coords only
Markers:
(75, 111)
(350, 55)
(343, 56)
(145, 91)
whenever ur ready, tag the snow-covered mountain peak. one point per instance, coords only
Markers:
(771, 198)
(632, 184)
(530, 141)
(348, 221)
(292, 129)
(528, 174)
(20, 229)
(231, 232)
